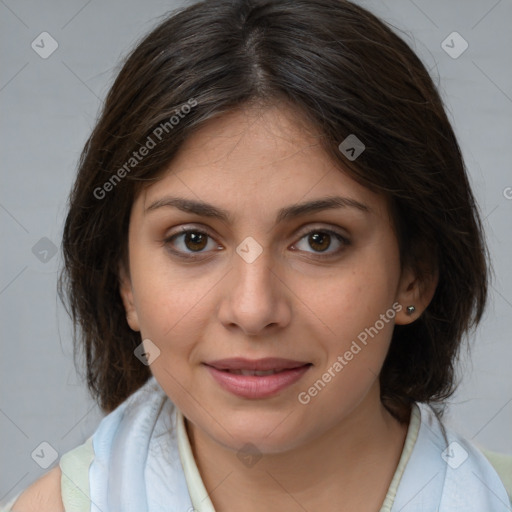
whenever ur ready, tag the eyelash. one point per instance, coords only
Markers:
(193, 256)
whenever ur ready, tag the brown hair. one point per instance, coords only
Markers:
(347, 73)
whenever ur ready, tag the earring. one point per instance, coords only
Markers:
(410, 310)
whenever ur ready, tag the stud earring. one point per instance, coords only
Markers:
(410, 310)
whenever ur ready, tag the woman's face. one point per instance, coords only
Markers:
(234, 254)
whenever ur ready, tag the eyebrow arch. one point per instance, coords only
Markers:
(290, 212)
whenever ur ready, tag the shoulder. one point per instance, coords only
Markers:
(44, 495)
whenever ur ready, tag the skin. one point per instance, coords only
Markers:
(340, 451)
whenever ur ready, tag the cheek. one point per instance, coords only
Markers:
(168, 297)
(360, 321)
(354, 308)
(171, 316)
(352, 298)
(172, 311)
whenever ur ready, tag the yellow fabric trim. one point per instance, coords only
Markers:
(74, 481)
(198, 494)
(503, 465)
(410, 441)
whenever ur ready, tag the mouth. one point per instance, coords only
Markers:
(254, 379)
(257, 373)
(268, 364)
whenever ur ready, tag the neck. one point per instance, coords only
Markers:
(352, 464)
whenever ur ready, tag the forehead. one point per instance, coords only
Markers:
(256, 160)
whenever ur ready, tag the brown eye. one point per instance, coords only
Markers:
(195, 241)
(188, 242)
(319, 241)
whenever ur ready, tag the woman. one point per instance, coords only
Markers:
(272, 254)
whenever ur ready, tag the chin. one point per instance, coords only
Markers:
(263, 433)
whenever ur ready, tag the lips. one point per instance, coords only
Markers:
(269, 364)
(256, 373)
(256, 379)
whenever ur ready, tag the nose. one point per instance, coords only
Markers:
(255, 298)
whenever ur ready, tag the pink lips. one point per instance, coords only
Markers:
(237, 375)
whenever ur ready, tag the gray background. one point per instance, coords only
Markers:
(48, 108)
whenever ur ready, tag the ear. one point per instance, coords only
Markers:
(126, 291)
(413, 291)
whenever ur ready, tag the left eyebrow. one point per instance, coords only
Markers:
(327, 203)
(290, 212)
